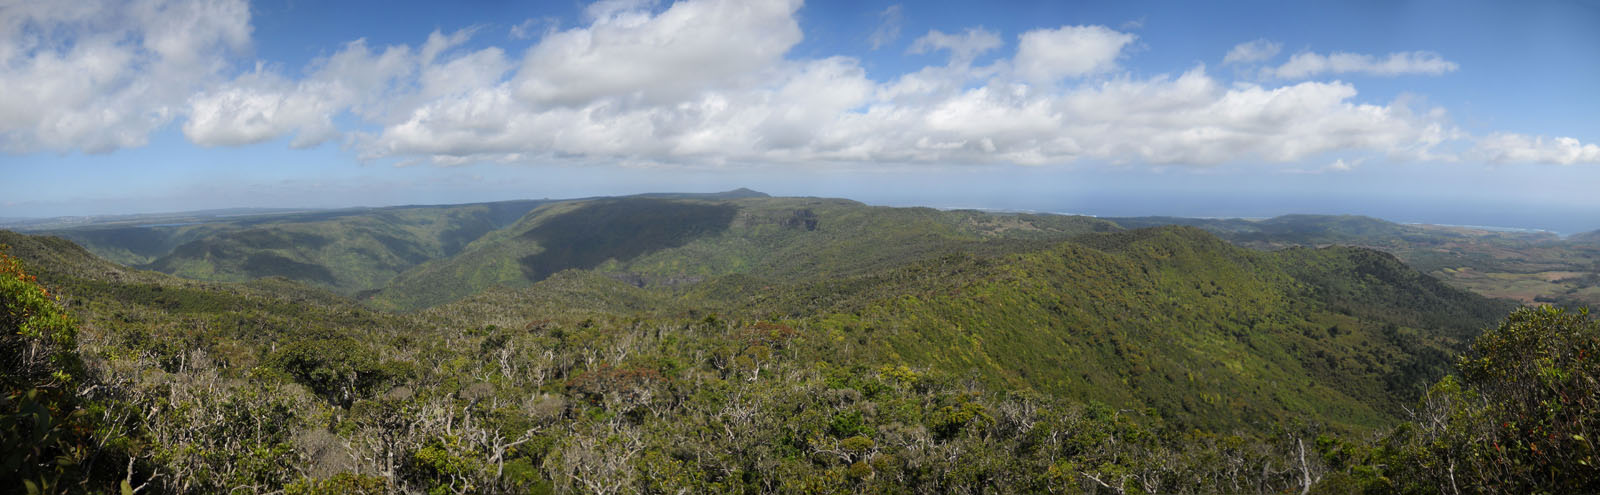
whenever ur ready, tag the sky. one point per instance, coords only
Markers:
(1476, 113)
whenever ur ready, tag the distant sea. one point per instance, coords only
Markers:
(1563, 220)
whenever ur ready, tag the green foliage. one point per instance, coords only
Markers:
(340, 370)
(949, 421)
(1539, 377)
(47, 439)
(1528, 267)
(338, 484)
(671, 243)
(1519, 420)
(1173, 321)
(443, 467)
(619, 230)
(808, 345)
(349, 251)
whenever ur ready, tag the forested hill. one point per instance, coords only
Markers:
(1203, 333)
(652, 241)
(1313, 230)
(347, 251)
(1173, 321)
(804, 342)
(1170, 320)
(1531, 267)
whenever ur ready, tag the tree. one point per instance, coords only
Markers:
(46, 435)
(1521, 419)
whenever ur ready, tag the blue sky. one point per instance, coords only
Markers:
(1449, 112)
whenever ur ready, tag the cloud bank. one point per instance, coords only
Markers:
(101, 75)
(1518, 148)
(700, 81)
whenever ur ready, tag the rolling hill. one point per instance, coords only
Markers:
(650, 329)
(1170, 320)
(650, 241)
(347, 251)
(1173, 321)
(1529, 267)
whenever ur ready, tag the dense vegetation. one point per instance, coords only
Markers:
(1529, 267)
(420, 253)
(348, 251)
(656, 242)
(796, 345)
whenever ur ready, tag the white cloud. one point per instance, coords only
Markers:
(1259, 50)
(528, 29)
(1305, 65)
(828, 111)
(1045, 56)
(96, 76)
(704, 82)
(1518, 148)
(963, 48)
(378, 85)
(258, 107)
(889, 22)
(765, 108)
(690, 47)
(261, 105)
(1340, 165)
(605, 9)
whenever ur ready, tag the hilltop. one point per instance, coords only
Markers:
(1529, 267)
(1170, 320)
(649, 241)
(654, 320)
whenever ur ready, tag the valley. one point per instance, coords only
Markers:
(610, 340)
(406, 258)
(799, 247)
(1529, 267)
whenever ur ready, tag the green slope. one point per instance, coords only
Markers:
(140, 310)
(1174, 321)
(138, 245)
(348, 251)
(964, 367)
(1299, 229)
(650, 241)
(1531, 267)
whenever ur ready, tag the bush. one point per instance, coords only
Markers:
(46, 437)
(1521, 419)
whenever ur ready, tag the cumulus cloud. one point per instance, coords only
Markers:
(1259, 50)
(693, 46)
(101, 75)
(1518, 148)
(610, 91)
(889, 22)
(1048, 55)
(378, 85)
(262, 105)
(1305, 65)
(258, 107)
(828, 110)
(704, 82)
